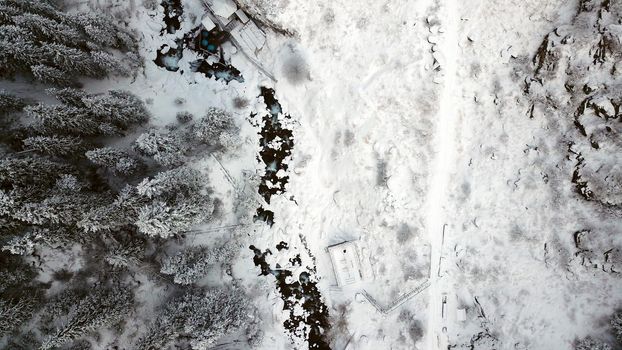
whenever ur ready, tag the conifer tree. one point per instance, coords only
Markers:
(192, 264)
(209, 129)
(184, 181)
(193, 316)
(120, 108)
(103, 307)
(10, 103)
(13, 314)
(118, 161)
(166, 149)
(54, 145)
(159, 219)
(616, 325)
(37, 38)
(589, 343)
(62, 119)
(51, 75)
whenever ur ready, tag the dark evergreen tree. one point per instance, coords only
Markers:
(616, 325)
(589, 343)
(37, 38)
(159, 219)
(54, 145)
(119, 162)
(19, 293)
(103, 307)
(167, 149)
(51, 75)
(192, 317)
(192, 264)
(10, 103)
(213, 126)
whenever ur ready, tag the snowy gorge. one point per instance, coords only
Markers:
(287, 174)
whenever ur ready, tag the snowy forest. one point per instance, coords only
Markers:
(96, 203)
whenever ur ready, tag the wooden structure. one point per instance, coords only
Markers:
(346, 264)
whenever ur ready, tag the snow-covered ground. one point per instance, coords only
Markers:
(409, 116)
(452, 147)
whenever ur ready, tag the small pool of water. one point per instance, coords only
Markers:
(168, 57)
(173, 11)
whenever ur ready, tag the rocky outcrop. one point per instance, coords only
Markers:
(577, 71)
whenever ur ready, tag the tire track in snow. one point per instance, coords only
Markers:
(444, 143)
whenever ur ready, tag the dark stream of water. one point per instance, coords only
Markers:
(300, 290)
(277, 142)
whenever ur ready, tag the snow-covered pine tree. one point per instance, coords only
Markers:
(118, 107)
(30, 174)
(159, 219)
(590, 343)
(18, 292)
(69, 96)
(125, 254)
(54, 145)
(103, 307)
(109, 64)
(616, 325)
(184, 181)
(51, 75)
(41, 7)
(167, 149)
(13, 314)
(202, 316)
(7, 13)
(204, 326)
(215, 124)
(37, 33)
(105, 218)
(67, 183)
(17, 52)
(37, 214)
(160, 333)
(57, 209)
(10, 103)
(22, 245)
(192, 264)
(7, 203)
(62, 119)
(74, 62)
(98, 30)
(122, 212)
(45, 29)
(118, 161)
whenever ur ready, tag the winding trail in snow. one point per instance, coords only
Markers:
(445, 157)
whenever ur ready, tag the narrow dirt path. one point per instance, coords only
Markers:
(445, 157)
